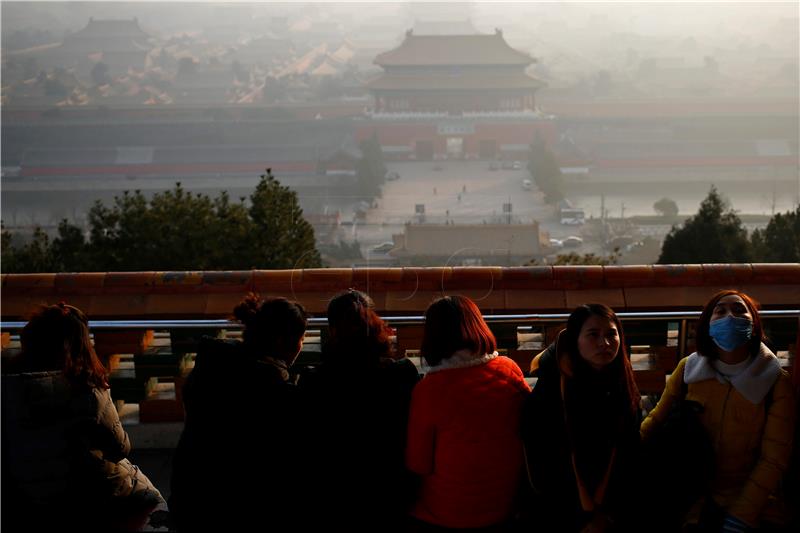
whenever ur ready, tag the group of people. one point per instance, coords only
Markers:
(361, 443)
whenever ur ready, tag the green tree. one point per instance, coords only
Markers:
(69, 249)
(545, 171)
(779, 242)
(281, 237)
(666, 207)
(32, 256)
(714, 235)
(177, 230)
(174, 230)
(370, 169)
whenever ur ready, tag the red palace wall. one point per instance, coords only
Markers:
(406, 134)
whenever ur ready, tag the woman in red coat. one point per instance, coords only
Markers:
(463, 431)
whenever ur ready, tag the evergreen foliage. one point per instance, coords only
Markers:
(779, 242)
(177, 230)
(714, 235)
(545, 172)
(370, 169)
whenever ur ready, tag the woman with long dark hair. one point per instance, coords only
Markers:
(234, 463)
(580, 426)
(747, 412)
(463, 430)
(65, 452)
(358, 402)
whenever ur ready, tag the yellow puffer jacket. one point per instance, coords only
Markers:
(752, 447)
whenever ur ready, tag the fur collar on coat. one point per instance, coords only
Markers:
(754, 382)
(461, 359)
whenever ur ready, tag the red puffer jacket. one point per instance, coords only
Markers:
(463, 440)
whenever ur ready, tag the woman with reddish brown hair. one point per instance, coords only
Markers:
(463, 430)
(64, 448)
(747, 412)
(581, 427)
(358, 406)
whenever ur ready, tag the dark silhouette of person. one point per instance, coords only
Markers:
(235, 464)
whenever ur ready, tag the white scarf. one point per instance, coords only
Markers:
(754, 382)
(460, 359)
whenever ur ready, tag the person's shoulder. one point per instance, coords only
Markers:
(505, 363)
(546, 362)
(214, 352)
(209, 344)
(403, 368)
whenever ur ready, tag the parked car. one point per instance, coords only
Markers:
(437, 167)
(494, 165)
(556, 244)
(527, 184)
(392, 176)
(572, 241)
(507, 165)
(383, 247)
(516, 165)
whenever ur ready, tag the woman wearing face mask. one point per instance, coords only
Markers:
(580, 427)
(748, 413)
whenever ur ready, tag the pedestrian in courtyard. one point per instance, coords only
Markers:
(357, 408)
(463, 431)
(580, 426)
(747, 408)
(65, 452)
(235, 463)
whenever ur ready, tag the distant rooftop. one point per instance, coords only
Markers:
(111, 28)
(436, 50)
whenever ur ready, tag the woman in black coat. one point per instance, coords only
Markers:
(580, 427)
(234, 466)
(359, 398)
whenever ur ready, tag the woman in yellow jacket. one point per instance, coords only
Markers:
(748, 413)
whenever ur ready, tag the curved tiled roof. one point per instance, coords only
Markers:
(432, 50)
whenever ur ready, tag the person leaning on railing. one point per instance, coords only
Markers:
(357, 413)
(463, 430)
(65, 462)
(234, 466)
(580, 428)
(747, 411)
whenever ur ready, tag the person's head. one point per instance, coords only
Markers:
(594, 339)
(729, 321)
(273, 327)
(357, 333)
(455, 323)
(57, 338)
(594, 333)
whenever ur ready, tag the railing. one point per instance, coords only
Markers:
(146, 325)
(150, 359)
(395, 320)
